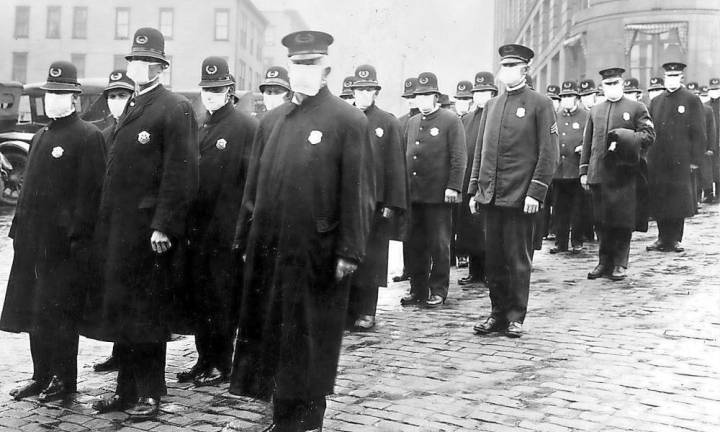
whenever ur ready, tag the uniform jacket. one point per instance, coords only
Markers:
(517, 150)
(309, 199)
(570, 129)
(679, 119)
(436, 155)
(469, 227)
(715, 105)
(150, 181)
(711, 144)
(390, 172)
(53, 227)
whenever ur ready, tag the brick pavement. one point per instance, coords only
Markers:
(638, 355)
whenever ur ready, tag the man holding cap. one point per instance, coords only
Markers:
(52, 235)
(436, 158)
(514, 161)
(303, 227)
(275, 88)
(391, 186)
(612, 166)
(679, 147)
(150, 182)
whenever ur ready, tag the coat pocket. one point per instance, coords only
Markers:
(325, 225)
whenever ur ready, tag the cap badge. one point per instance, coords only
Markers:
(272, 74)
(408, 84)
(481, 79)
(141, 39)
(566, 85)
(461, 87)
(424, 80)
(363, 74)
(304, 38)
(584, 85)
(627, 84)
(576, 125)
(211, 69)
(379, 132)
(315, 137)
(681, 109)
(520, 113)
(144, 137)
(221, 144)
(434, 131)
(116, 76)
(626, 116)
(57, 152)
(55, 72)
(347, 83)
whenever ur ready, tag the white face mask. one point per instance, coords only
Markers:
(364, 98)
(511, 76)
(568, 103)
(462, 106)
(58, 105)
(613, 92)
(632, 96)
(412, 103)
(480, 98)
(652, 94)
(117, 106)
(139, 71)
(425, 103)
(350, 101)
(273, 101)
(672, 82)
(556, 104)
(704, 99)
(213, 101)
(714, 93)
(588, 100)
(600, 99)
(306, 79)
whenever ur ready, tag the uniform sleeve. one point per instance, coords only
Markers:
(477, 156)
(395, 193)
(587, 145)
(698, 130)
(547, 138)
(179, 178)
(711, 128)
(90, 175)
(242, 227)
(457, 149)
(644, 128)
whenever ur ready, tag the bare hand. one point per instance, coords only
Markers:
(473, 205)
(387, 212)
(531, 205)
(709, 153)
(693, 167)
(578, 149)
(344, 268)
(613, 146)
(451, 196)
(160, 242)
(583, 182)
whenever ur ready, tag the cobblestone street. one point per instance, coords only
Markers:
(637, 355)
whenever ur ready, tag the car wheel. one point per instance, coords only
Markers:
(14, 181)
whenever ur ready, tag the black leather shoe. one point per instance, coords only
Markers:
(401, 278)
(109, 364)
(576, 249)
(514, 329)
(469, 280)
(55, 390)
(618, 273)
(211, 377)
(31, 388)
(191, 374)
(109, 404)
(144, 409)
(656, 246)
(364, 323)
(675, 247)
(435, 300)
(410, 299)
(491, 325)
(556, 249)
(598, 272)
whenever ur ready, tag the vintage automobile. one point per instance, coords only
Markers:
(22, 114)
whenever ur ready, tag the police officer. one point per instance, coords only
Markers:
(567, 192)
(275, 88)
(391, 187)
(436, 159)
(680, 144)
(515, 158)
(347, 93)
(463, 97)
(587, 93)
(303, 226)
(52, 235)
(697, 174)
(225, 143)
(553, 92)
(711, 196)
(631, 89)
(612, 167)
(471, 228)
(656, 87)
(409, 87)
(150, 181)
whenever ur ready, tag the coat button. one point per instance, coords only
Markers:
(417, 142)
(414, 173)
(414, 157)
(421, 128)
(424, 118)
(563, 156)
(564, 134)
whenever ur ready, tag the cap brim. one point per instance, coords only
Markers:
(513, 59)
(147, 54)
(218, 83)
(365, 84)
(58, 87)
(306, 56)
(484, 87)
(124, 86)
(569, 93)
(588, 92)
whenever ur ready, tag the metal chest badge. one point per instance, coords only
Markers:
(221, 144)
(434, 131)
(144, 137)
(681, 109)
(57, 152)
(379, 132)
(626, 116)
(576, 125)
(520, 113)
(315, 137)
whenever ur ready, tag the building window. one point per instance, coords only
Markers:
(240, 75)
(79, 61)
(122, 23)
(270, 36)
(166, 22)
(252, 39)
(243, 30)
(80, 15)
(19, 66)
(22, 22)
(53, 22)
(648, 46)
(222, 24)
(259, 50)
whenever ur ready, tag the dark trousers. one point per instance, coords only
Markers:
(614, 248)
(476, 265)
(54, 352)
(141, 372)
(509, 241)
(670, 230)
(291, 414)
(567, 212)
(372, 272)
(429, 249)
(214, 346)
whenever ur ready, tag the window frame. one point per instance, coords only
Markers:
(51, 10)
(75, 33)
(218, 12)
(16, 32)
(118, 10)
(167, 35)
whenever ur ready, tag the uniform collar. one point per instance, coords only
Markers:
(305, 100)
(432, 114)
(572, 112)
(149, 89)
(517, 89)
(220, 114)
(62, 121)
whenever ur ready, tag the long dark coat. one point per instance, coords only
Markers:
(711, 144)
(151, 178)
(715, 105)
(308, 200)
(624, 196)
(470, 228)
(53, 227)
(679, 119)
(225, 142)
